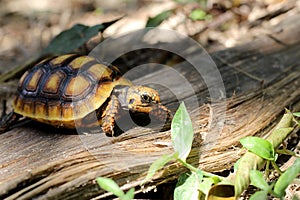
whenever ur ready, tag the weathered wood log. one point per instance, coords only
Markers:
(261, 79)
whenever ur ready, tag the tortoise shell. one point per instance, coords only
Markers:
(63, 89)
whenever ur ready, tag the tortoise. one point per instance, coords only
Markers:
(64, 91)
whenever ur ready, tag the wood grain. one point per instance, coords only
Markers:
(261, 79)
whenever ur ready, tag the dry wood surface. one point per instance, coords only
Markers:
(261, 80)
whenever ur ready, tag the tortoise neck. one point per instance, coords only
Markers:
(121, 93)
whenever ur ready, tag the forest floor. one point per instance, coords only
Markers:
(27, 27)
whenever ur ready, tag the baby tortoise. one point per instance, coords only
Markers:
(65, 91)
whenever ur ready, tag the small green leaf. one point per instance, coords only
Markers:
(258, 180)
(297, 114)
(286, 178)
(129, 195)
(206, 184)
(259, 146)
(110, 186)
(182, 132)
(189, 189)
(158, 19)
(158, 164)
(259, 195)
(199, 14)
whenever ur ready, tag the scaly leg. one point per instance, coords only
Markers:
(110, 115)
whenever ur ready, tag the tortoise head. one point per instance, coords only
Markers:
(141, 99)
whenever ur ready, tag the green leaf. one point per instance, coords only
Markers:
(158, 164)
(129, 195)
(158, 19)
(199, 174)
(286, 178)
(286, 152)
(189, 189)
(258, 180)
(73, 38)
(259, 146)
(110, 186)
(247, 162)
(199, 14)
(297, 114)
(259, 195)
(236, 165)
(206, 184)
(182, 132)
(182, 178)
(278, 135)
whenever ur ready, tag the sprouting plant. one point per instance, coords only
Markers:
(189, 184)
(277, 189)
(198, 183)
(266, 150)
(111, 186)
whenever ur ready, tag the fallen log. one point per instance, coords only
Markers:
(261, 79)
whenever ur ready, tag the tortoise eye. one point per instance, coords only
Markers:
(146, 98)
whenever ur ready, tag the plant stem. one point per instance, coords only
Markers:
(276, 167)
(286, 152)
(267, 171)
(194, 169)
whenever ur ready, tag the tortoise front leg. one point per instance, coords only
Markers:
(110, 115)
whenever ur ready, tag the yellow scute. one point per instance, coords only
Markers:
(58, 60)
(54, 111)
(77, 86)
(53, 83)
(33, 83)
(80, 61)
(99, 71)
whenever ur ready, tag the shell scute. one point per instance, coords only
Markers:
(78, 86)
(54, 110)
(18, 103)
(53, 83)
(81, 61)
(22, 79)
(100, 72)
(40, 109)
(33, 82)
(60, 60)
(67, 111)
(29, 106)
